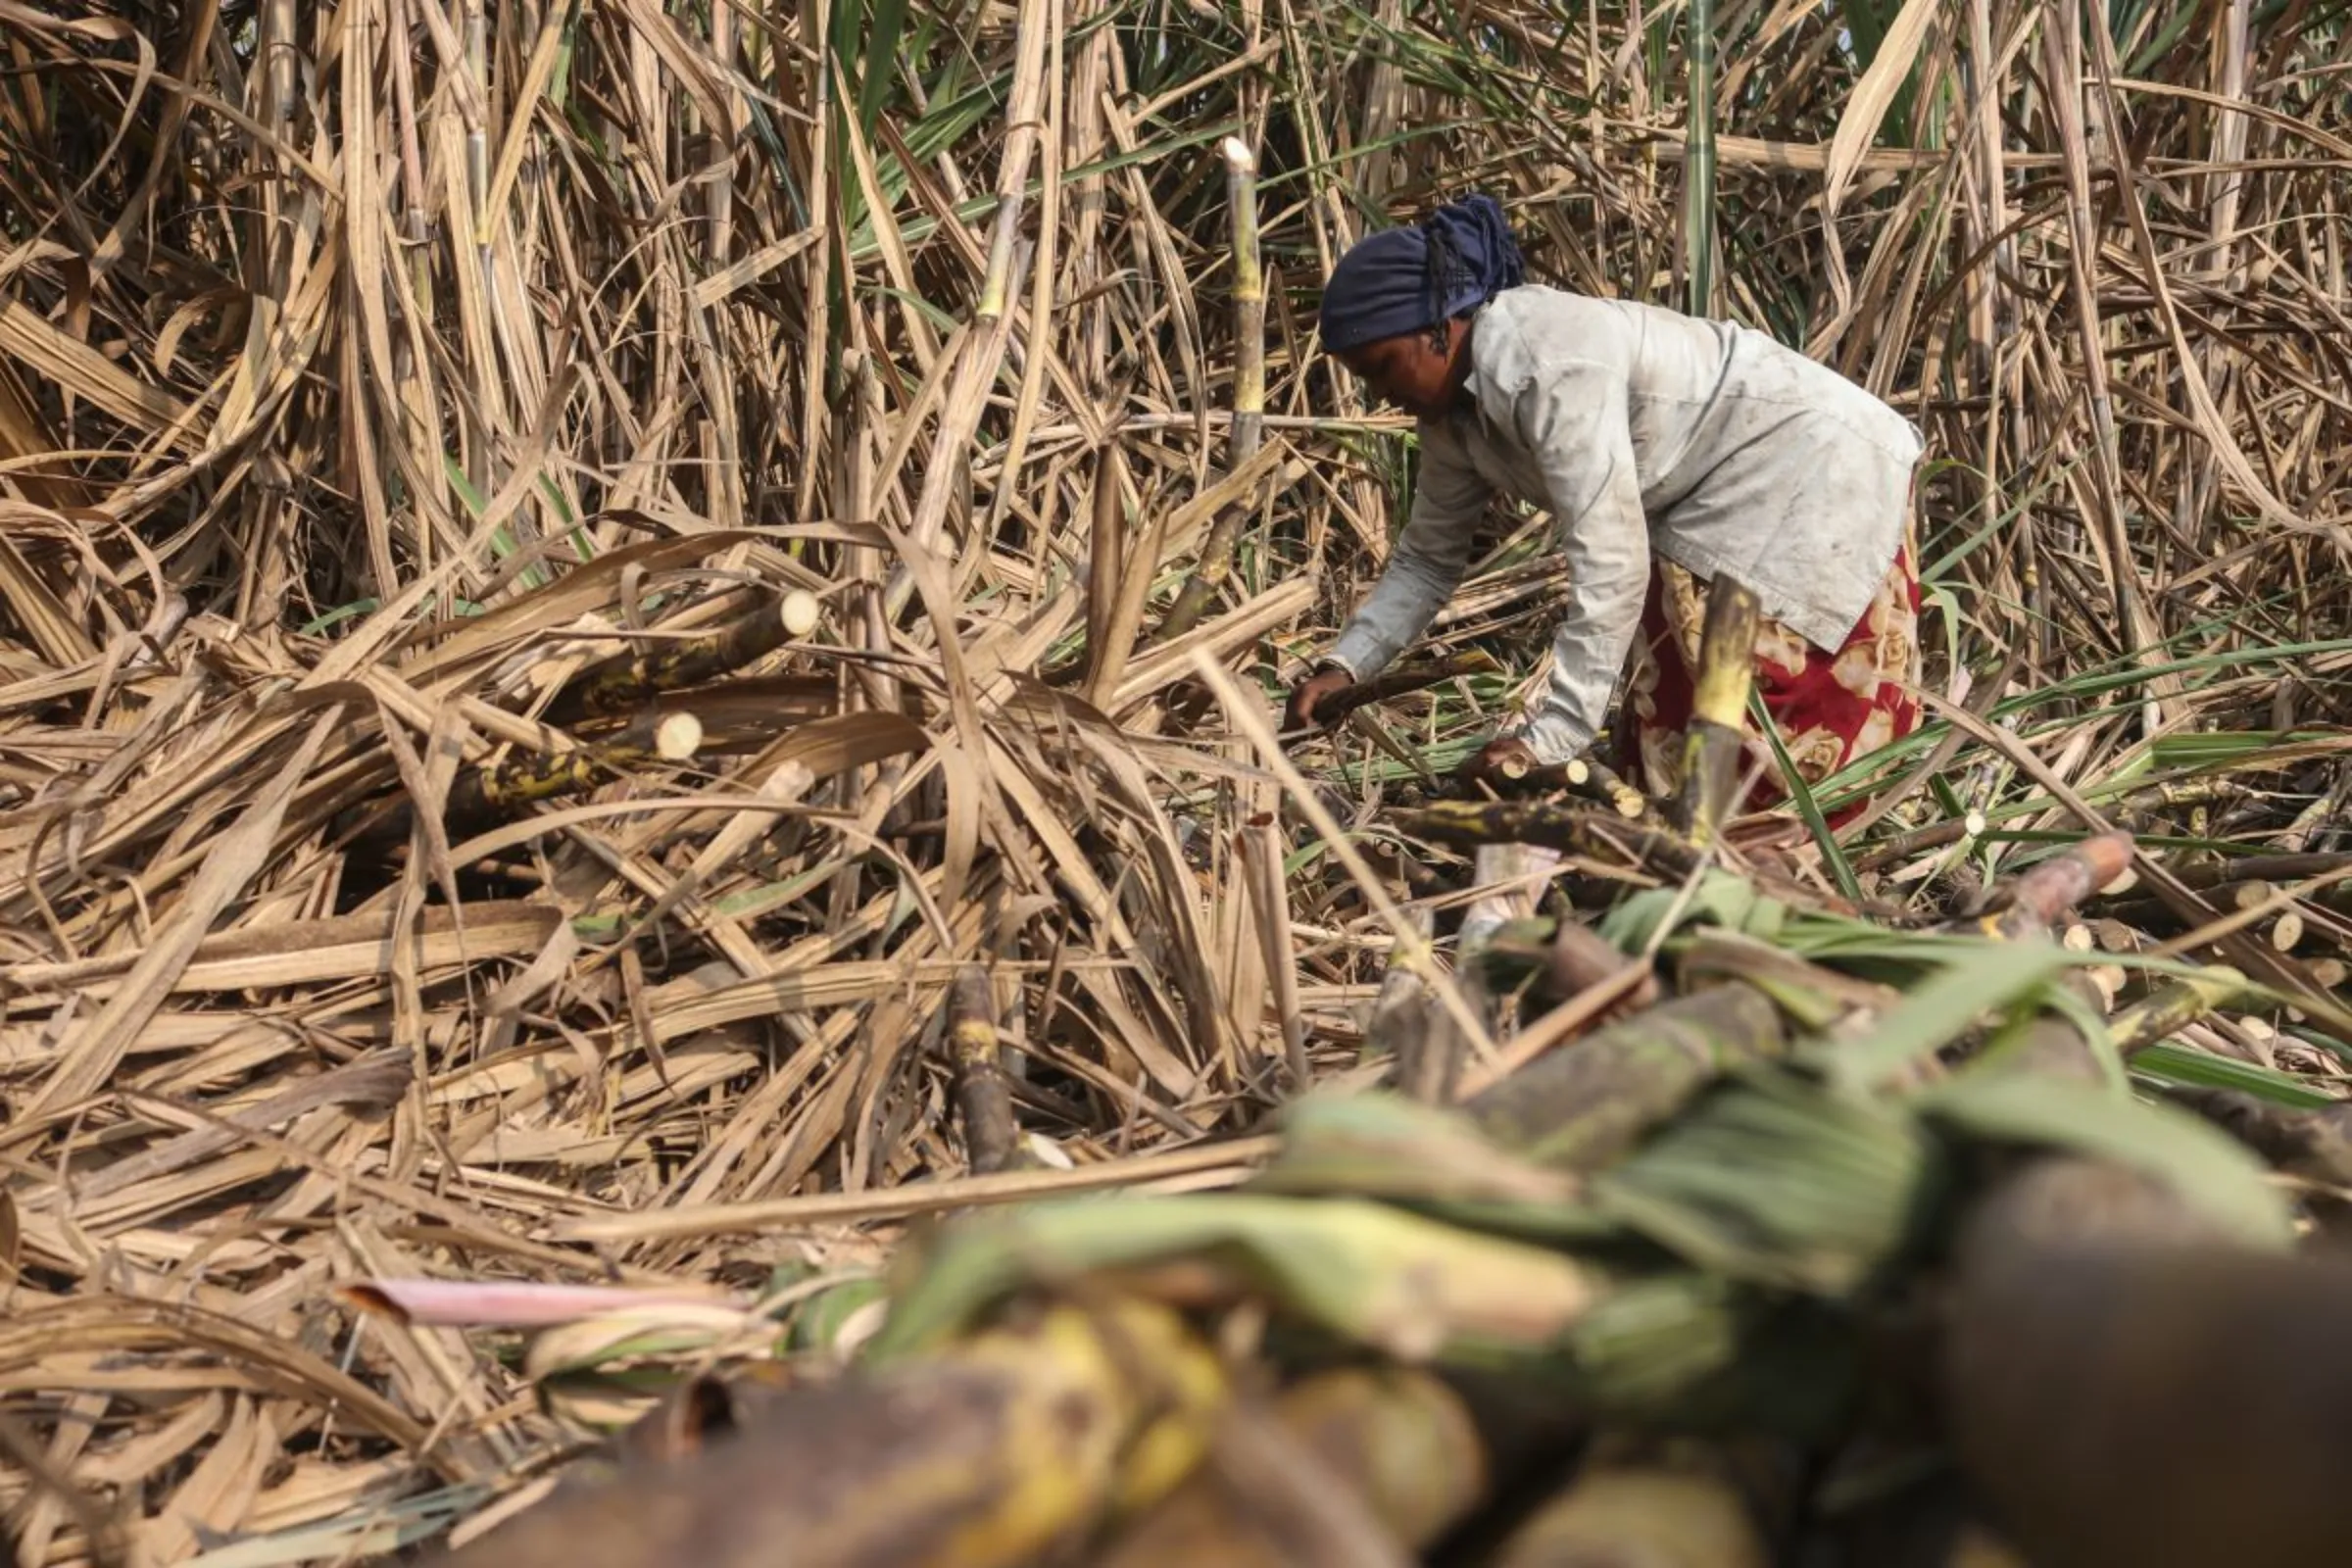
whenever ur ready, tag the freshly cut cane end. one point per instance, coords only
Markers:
(677, 737)
(1237, 155)
(2288, 932)
(801, 612)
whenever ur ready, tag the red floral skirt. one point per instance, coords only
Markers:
(1830, 707)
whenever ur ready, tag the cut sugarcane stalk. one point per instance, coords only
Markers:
(619, 684)
(1712, 747)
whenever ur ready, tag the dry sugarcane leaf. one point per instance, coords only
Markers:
(89, 1057)
(308, 951)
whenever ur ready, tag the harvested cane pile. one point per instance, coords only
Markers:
(1822, 1244)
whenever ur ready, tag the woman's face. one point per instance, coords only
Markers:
(1413, 373)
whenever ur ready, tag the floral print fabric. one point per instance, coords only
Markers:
(1830, 707)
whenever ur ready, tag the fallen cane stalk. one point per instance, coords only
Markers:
(1553, 827)
(2173, 1008)
(1652, 1514)
(497, 789)
(1545, 775)
(621, 683)
(1579, 1109)
(2040, 896)
(533, 776)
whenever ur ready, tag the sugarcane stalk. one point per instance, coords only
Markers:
(1580, 776)
(983, 1094)
(1918, 841)
(1553, 826)
(2041, 896)
(617, 684)
(492, 792)
(2245, 893)
(1248, 301)
(2052, 1044)
(1581, 958)
(2259, 868)
(1714, 744)
(981, 1455)
(1582, 1109)
(1611, 790)
(1567, 957)
(1532, 778)
(1399, 1444)
(2173, 1007)
(2125, 1391)
(524, 778)
(1402, 680)
(2156, 798)
(1674, 1518)
(1216, 561)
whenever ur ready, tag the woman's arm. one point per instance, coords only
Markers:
(1432, 552)
(1573, 416)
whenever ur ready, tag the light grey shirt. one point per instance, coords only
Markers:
(1640, 428)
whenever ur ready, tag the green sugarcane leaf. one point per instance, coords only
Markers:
(2211, 1171)
(1978, 978)
(1411, 1288)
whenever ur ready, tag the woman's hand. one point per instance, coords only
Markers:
(1310, 694)
(1503, 758)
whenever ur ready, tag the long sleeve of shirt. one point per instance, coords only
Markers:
(1569, 415)
(1572, 415)
(1432, 553)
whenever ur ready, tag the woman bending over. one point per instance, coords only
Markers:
(1652, 438)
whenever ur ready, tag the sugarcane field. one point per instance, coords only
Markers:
(1094, 784)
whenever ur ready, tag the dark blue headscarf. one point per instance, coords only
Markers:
(1402, 279)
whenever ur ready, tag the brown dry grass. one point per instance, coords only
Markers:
(370, 369)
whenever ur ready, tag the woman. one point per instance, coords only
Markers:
(1653, 439)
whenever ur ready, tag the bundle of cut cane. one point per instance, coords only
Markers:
(1860, 1247)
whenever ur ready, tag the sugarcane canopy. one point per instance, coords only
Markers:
(1400, 280)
